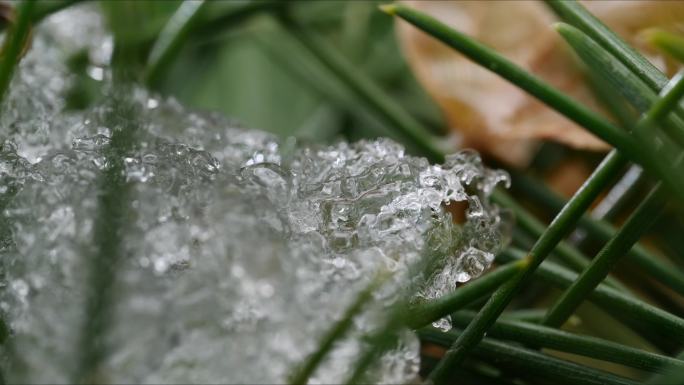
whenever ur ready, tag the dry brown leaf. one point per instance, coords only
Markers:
(492, 115)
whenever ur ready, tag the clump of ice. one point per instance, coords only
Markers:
(239, 251)
(38, 91)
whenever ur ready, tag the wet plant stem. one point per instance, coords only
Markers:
(575, 207)
(546, 337)
(14, 44)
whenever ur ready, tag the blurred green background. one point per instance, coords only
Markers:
(239, 60)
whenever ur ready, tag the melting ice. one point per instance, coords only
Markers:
(238, 251)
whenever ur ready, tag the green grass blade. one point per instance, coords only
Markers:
(365, 89)
(571, 256)
(568, 216)
(575, 14)
(524, 315)
(603, 231)
(658, 157)
(427, 312)
(649, 317)
(541, 336)
(503, 67)
(602, 63)
(559, 228)
(617, 198)
(674, 376)
(14, 44)
(643, 217)
(529, 363)
(667, 42)
(216, 21)
(418, 315)
(617, 75)
(304, 371)
(108, 231)
(46, 8)
(377, 342)
(670, 96)
(171, 38)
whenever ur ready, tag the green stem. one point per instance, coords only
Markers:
(377, 343)
(661, 153)
(667, 42)
(503, 67)
(571, 256)
(108, 232)
(649, 317)
(529, 363)
(214, 22)
(574, 13)
(14, 44)
(524, 315)
(617, 75)
(558, 229)
(46, 8)
(641, 220)
(171, 39)
(619, 195)
(603, 231)
(304, 371)
(570, 213)
(425, 313)
(364, 88)
(546, 337)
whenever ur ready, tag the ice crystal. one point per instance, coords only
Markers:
(237, 250)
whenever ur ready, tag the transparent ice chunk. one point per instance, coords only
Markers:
(239, 250)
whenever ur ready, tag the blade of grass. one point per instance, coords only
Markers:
(673, 377)
(427, 312)
(304, 371)
(171, 39)
(643, 217)
(215, 21)
(377, 343)
(309, 72)
(503, 67)
(46, 8)
(571, 256)
(559, 228)
(671, 95)
(575, 14)
(651, 318)
(608, 67)
(418, 315)
(615, 200)
(546, 337)
(528, 363)
(14, 44)
(619, 194)
(364, 88)
(109, 223)
(384, 337)
(617, 75)
(603, 231)
(524, 315)
(667, 42)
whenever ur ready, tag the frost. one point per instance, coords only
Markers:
(238, 251)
